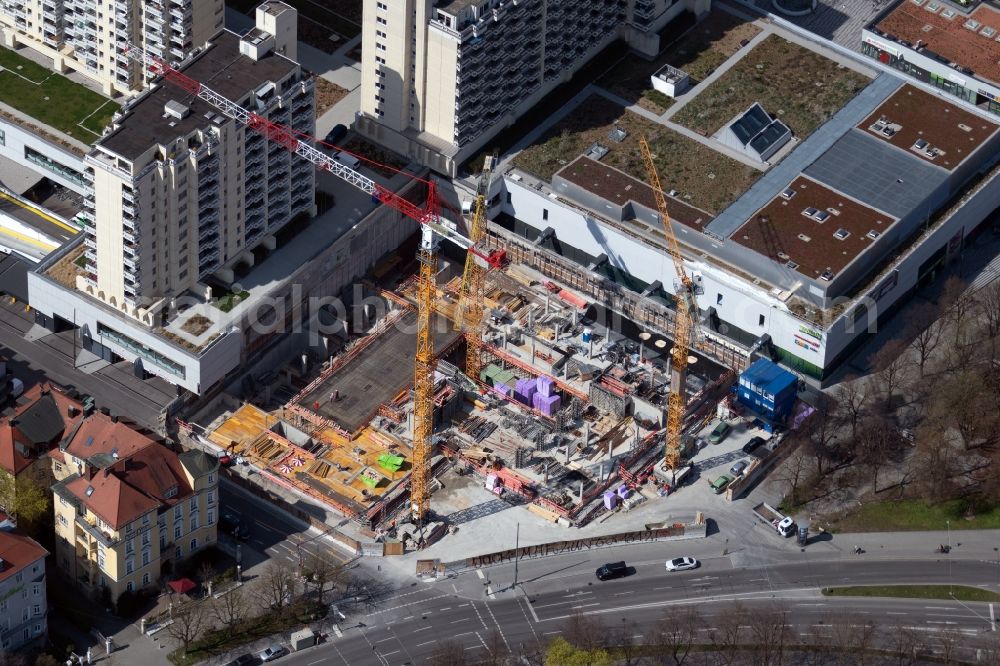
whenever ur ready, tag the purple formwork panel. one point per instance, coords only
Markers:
(545, 385)
(502, 388)
(525, 390)
(610, 500)
(546, 404)
(623, 492)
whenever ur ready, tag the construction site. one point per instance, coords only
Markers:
(554, 402)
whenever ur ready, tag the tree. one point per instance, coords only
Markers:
(877, 442)
(188, 620)
(677, 632)
(562, 653)
(231, 608)
(495, 652)
(450, 653)
(901, 642)
(24, 498)
(770, 634)
(320, 572)
(275, 586)
(890, 364)
(859, 632)
(585, 632)
(925, 337)
(959, 307)
(852, 399)
(728, 634)
(988, 315)
(794, 473)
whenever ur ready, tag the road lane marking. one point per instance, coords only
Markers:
(426, 643)
(479, 572)
(389, 654)
(457, 621)
(474, 647)
(894, 613)
(497, 623)
(489, 592)
(549, 633)
(576, 594)
(622, 594)
(461, 606)
(939, 607)
(408, 617)
(318, 661)
(422, 629)
(336, 630)
(464, 633)
(586, 605)
(441, 610)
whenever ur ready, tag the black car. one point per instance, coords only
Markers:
(233, 526)
(612, 570)
(753, 444)
(244, 660)
(336, 134)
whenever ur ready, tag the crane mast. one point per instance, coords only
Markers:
(433, 228)
(684, 322)
(473, 292)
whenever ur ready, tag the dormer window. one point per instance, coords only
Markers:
(171, 492)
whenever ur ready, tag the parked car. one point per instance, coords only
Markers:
(243, 660)
(272, 652)
(682, 564)
(721, 483)
(336, 134)
(739, 467)
(753, 444)
(234, 526)
(720, 432)
(612, 570)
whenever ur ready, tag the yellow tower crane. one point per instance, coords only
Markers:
(684, 322)
(473, 294)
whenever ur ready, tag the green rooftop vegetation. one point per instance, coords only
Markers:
(53, 99)
(795, 84)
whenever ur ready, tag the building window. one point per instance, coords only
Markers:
(145, 558)
(100, 559)
(760, 320)
(58, 466)
(381, 5)
(145, 578)
(129, 586)
(381, 21)
(211, 516)
(36, 589)
(63, 521)
(718, 299)
(194, 545)
(178, 530)
(3, 142)
(177, 512)
(380, 47)
(211, 479)
(194, 521)
(545, 213)
(145, 519)
(129, 565)
(129, 547)
(178, 552)
(145, 538)
(36, 609)
(211, 497)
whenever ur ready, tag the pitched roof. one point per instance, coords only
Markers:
(112, 499)
(11, 460)
(45, 415)
(99, 435)
(154, 471)
(17, 552)
(198, 463)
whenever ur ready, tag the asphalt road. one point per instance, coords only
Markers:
(273, 534)
(467, 609)
(52, 357)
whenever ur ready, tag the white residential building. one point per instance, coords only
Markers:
(439, 78)
(23, 606)
(180, 194)
(89, 36)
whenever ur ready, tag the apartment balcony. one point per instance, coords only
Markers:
(210, 192)
(129, 224)
(177, 53)
(131, 237)
(88, 241)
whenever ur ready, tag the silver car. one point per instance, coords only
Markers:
(682, 564)
(272, 652)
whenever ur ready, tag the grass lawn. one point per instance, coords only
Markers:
(698, 52)
(231, 300)
(53, 99)
(793, 83)
(905, 515)
(703, 177)
(961, 592)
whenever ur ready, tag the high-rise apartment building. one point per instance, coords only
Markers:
(89, 36)
(439, 78)
(180, 194)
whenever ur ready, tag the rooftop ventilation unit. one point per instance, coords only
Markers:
(175, 109)
(841, 234)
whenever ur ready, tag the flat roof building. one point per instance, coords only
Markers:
(440, 78)
(953, 46)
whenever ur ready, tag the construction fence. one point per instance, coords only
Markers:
(676, 531)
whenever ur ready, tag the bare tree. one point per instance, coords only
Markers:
(959, 307)
(231, 608)
(677, 632)
(585, 632)
(205, 573)
(623, 641)
(857, 632)
(320, 572)
(495, 652)
(960, 402)
(890, 364)
(901, 642)
(926, 336)
(852, 400)
(949, 642)
(877, 442)
(933, 462)
(729, 634)
(188, 621)
(770, 634)
(275, 586)
(794, 474)
(450, 653)
(988, 315)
